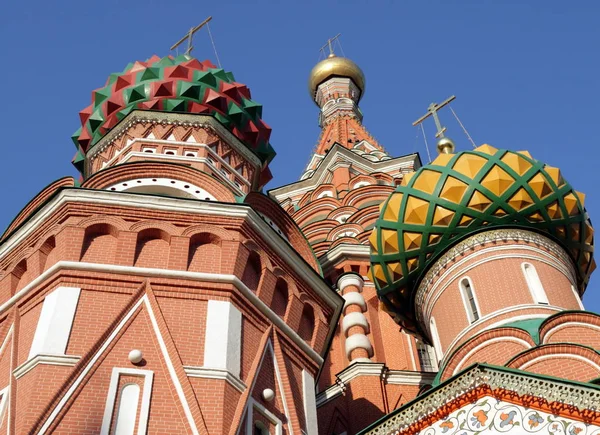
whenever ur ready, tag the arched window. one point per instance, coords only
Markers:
(99, 244)
(468, 295)
(252, 272)
(534, 284)
(307, 323)
(280, 297)
(437, 345)
(127, 412)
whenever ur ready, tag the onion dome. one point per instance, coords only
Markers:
(460, 194)
(335, 66)
(175, 84)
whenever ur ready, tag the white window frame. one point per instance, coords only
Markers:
(113, 393)
(149, 150)
(534, 283)
(431, 355)
(252, 405)
(435, 337)
(4, 394)
(465, 298)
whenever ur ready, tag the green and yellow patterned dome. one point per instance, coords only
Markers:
(460, 194)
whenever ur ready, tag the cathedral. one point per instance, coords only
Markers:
(166, 291)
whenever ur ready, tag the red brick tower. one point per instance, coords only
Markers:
(163, 293)
(372, 368)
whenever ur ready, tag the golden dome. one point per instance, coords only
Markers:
(335, 66)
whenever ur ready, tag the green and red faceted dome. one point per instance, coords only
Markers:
(458, 195)
(175, 84)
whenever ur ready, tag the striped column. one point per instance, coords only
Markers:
(354, 324)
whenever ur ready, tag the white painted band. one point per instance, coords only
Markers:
(355, 319)
(355, 298)
(350, 279)
(358, 341)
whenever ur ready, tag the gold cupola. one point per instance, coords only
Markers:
(335, 66)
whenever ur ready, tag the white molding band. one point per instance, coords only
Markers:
(223, 337)
(212, 373)
(113, 391)
(355, 319)
(177, 274)
(54, 360)
(348, 280)
(358, 341)
(487, 343)
(148, 202)
(567, 324)
(55, 322)
(355, 298)
(309, 401)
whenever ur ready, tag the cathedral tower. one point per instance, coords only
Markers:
(163, 293)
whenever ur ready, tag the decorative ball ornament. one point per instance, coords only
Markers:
(135, 356)
(174, 84)
(445, 145)
(460, 194)
(268, 395)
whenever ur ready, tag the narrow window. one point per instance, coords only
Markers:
(534, 284)
(426, 357)
(469, 299)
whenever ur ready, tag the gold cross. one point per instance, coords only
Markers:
(432, 111)
(189, 37)
(328, 44)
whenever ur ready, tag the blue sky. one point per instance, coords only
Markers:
(525, 74)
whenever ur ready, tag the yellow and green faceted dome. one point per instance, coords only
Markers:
(174, 84)
(460, 194)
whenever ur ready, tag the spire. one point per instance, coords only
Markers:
(336, 85)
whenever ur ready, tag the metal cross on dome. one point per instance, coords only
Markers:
(189, 36)
(330, 45)
(432, 111)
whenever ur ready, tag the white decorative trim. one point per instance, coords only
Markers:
(4, 401)
(133, 185)
(54, 360)
(177, 274)
(554, 356)
(309, 401)
(171, 369)
(223, 337)
(361, 369)
(407, 377)
(55, 322)
(59, 406)
(111, 398)
(409, 340)
(355, 298)
(435, 337)
(253, 404)
(120, 199)
(487, 343)
(358, 341)
(211, 373)
(567, 324)
(348, 280)
(329, 394)
(517, 308)
(343, 250)
(577, 298)
(355, 319)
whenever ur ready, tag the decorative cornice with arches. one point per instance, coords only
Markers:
(565, 318)
(372, 193)
(142, 169)
(221, 233)
(521, 360)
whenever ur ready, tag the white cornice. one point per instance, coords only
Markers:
(210, 373)
(151, 202)
(175, 274)
(342, 251)
(55, 360)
